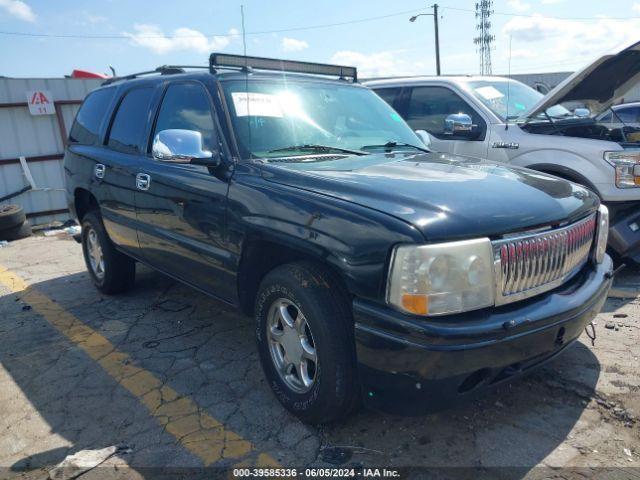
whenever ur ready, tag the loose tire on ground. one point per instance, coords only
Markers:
(11, 216)
(313, 291)
(16, 232)
(117, 273)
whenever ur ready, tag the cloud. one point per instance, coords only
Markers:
(18, 9)
(522, 53)
(636, 7)
(377, 64)
(293, 44)
(153, 38)
(551, 2)
(519, 5)
(567, 44)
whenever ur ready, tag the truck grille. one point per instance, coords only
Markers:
(531, 264)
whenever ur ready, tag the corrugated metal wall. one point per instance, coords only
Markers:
(40, 140)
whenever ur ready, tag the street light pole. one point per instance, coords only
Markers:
(435, 24)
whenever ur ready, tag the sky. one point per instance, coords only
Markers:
(41, 38)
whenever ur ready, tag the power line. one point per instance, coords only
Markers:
(263, 32)
(128, 36)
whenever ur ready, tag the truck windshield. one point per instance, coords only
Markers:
(521, 97)
(284, 118)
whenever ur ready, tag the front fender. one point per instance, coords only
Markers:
(356, 241)
(565, 164)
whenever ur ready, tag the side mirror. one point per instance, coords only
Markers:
(582, 112)
(424, 137)
(460, 125)
(182, 146)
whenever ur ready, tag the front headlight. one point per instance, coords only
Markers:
(627, 165)
(602, 234)
(442, 278)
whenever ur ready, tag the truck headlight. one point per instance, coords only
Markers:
(627, 165)
(442, 278)
(602, 234)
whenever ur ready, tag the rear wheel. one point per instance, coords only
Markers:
(305, 340)
(111, 271)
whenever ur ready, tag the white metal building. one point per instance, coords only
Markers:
(35, 116)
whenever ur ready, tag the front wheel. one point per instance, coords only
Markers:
(305, 340)
(111, 271)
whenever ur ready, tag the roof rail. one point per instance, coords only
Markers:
(260, 63)
(161, 70)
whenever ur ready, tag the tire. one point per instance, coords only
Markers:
(16, 232)
(313, 291)
(11, 216)
(117, 271)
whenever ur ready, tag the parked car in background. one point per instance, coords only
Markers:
(374, 268)
(507, 121)
(621, 115)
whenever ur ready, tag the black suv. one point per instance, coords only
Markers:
(375, 269)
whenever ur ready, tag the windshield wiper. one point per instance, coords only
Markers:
(317, 148)
(390, 145)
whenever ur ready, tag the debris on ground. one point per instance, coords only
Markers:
(3, 243)
(610, 325)
(75, 465)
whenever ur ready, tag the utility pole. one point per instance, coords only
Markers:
(435, 24)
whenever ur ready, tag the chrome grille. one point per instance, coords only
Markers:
(531, 264)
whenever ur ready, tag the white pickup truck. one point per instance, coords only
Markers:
(560, 133)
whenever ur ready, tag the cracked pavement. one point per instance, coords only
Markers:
(174, 376)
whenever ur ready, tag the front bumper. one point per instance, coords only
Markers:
(411, 365)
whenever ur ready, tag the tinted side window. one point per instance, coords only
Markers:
(130, 121)
(87, 123)
(389, 95)
(429, 106)
(628, 115)
(186, 106)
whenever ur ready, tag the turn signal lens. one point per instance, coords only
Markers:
(417, 304)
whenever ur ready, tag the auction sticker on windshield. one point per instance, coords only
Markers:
(256, 104)
(489, 92)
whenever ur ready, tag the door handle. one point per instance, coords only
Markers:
(98, 170)
(143, 181)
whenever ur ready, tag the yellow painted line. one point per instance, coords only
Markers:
(194, 429)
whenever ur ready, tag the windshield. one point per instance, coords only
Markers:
(521, 97)
(271, 117)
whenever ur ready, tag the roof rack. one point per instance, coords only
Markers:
(161, 70)
(248, 63)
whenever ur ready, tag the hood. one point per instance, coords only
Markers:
(598, 85)
(443, 196)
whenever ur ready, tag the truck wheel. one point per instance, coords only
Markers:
(11, 216)
(305, 340)
(110, 270)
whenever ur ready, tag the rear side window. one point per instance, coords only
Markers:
(130, 121)
(186, 106)
(85, 129)
(390, 95)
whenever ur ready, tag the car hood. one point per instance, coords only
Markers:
(443, 196)
(598, 85)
